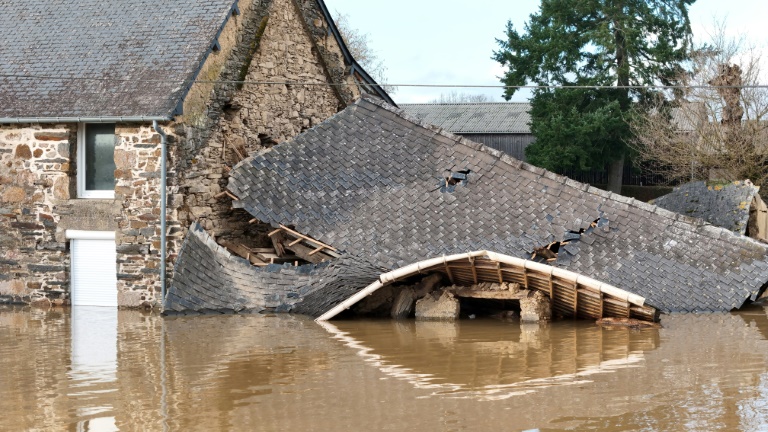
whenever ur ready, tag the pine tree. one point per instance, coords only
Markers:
(617, 43)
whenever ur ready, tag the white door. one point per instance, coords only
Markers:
(93, 272)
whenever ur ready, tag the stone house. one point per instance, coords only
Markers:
(94, 98)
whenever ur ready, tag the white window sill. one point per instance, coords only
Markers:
(97, 195)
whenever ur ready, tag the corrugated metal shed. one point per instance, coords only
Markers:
(475, 118)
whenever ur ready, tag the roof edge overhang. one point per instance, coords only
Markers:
(104, 119)
(430, 264)
(187, 84)
(369, 83)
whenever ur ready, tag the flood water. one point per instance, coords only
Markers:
(101, 370)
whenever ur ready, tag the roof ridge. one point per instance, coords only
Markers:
(511, 161)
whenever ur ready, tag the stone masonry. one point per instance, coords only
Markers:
(282, 41)
(38, 205)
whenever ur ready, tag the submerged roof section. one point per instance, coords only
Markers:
(466, 118)
(373, 181)
(103, 58)
(724, 205)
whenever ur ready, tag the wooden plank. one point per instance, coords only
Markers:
(601, 304)
(317, 250)
(302, 252)
(448, 271)
(490, 295)
(262, 250)
(310, 239)
(551, 288)
(575, 300)
(236, 248)
(283, 259)
(278, 239)
(474, 270)
(267, 256)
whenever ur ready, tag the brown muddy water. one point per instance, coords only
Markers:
(102, 370)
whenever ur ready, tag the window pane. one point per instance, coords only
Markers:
(100, 157)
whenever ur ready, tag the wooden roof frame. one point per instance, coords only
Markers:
(572, 295)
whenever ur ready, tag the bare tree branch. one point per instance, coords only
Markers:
(710, 133)
(456, 97)
(360, 47)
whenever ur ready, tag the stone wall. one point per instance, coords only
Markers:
(38, 204)
(278, 41)
(137, 194)
(35, 174)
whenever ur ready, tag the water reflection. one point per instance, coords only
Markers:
(475, 359)
(93, 371)
(142, 372)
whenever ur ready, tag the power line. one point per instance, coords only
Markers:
(299, 83)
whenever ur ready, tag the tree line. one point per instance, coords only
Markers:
(646, 91)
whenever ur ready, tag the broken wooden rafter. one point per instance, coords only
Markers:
(227, 193)
(304, 246)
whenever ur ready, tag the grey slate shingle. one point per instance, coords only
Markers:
(396, 214)
(499, 118)
(725, 206)
(207, 278)
(118, 42)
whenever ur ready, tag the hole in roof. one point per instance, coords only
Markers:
(548, 253)
(452, 178)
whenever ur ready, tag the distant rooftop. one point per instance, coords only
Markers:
(495, 117)
(479, 118)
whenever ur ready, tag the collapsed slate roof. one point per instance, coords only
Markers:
(723, 205)
(467, 118)
(377, 183)
(207, 278)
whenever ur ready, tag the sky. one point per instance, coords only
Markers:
(452, 42)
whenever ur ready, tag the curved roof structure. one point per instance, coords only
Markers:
(208, 279)
(380, 184)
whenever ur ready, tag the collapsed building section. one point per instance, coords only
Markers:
(210, 279)
(374, 183)
(736, 206)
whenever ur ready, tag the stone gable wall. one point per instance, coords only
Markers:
(281, 41)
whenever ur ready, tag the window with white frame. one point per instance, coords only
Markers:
(96, 160)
